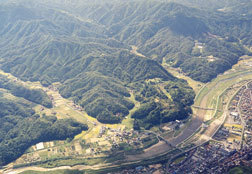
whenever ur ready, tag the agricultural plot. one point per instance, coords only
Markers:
(96, 143)
(211, 103)
(178, 73)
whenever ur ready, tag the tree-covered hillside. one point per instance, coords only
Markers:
(86, 46)
(37, 96)
(161, 106)
(193, 39)
(21, 127)
(94, 69)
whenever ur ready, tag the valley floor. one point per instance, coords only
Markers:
(211, 115)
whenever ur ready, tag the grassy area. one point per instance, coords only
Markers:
(71, 162)
(165, 92)
(240, 170)
(194, 84)
(178, 160)
(150, 142)
(157, 159)
(212, 90)
(201, 93)
(128, 121)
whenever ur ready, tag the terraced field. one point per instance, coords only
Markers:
(209, 109)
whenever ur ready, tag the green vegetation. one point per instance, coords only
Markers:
(240, 170)
(164, 157)
(21, 128)
(158, 108)
(104, 97)
(179, 159)
(94, 69)
(202, 42)
(34, 95)
(92, 60)
(88, 52)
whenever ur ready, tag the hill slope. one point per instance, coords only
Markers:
(183, 36)
(22, 128)
(85, 45)
(95, 70)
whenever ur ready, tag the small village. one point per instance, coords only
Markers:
(226, 149)
(231, 146)
(107, 142)
(103, 140)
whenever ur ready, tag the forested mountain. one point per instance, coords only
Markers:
(94, 69)
(37, 96)
(21, 127)
(190, 38)
(159, 108)
(85, 45)
(177, 31)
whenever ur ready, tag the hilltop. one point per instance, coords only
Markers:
(95, 69)
(111, 58)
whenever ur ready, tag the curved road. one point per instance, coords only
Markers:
(198, 118)
(196, 122)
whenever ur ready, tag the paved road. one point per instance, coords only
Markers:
(198, 118)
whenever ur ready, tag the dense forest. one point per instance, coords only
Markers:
(37, 96)
(21, 127)
(159, 108)
(95, 71)
(86, 46)
(190, 38)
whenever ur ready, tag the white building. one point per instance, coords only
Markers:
(40, 146)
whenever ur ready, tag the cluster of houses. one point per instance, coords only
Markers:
(234, 103)
(222, 154)
(118, 136)
(213, 157)
(53, 88)
(153, 169)
(222, 134)
(246, 104)
(174, 125)
(246, 113)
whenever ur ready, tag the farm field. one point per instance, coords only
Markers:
(87, 144)
(121, 86)
(208, 104)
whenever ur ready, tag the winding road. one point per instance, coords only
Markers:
(162, 147)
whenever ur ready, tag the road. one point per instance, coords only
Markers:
(217, 123)
(162, 147)
(198, 117)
